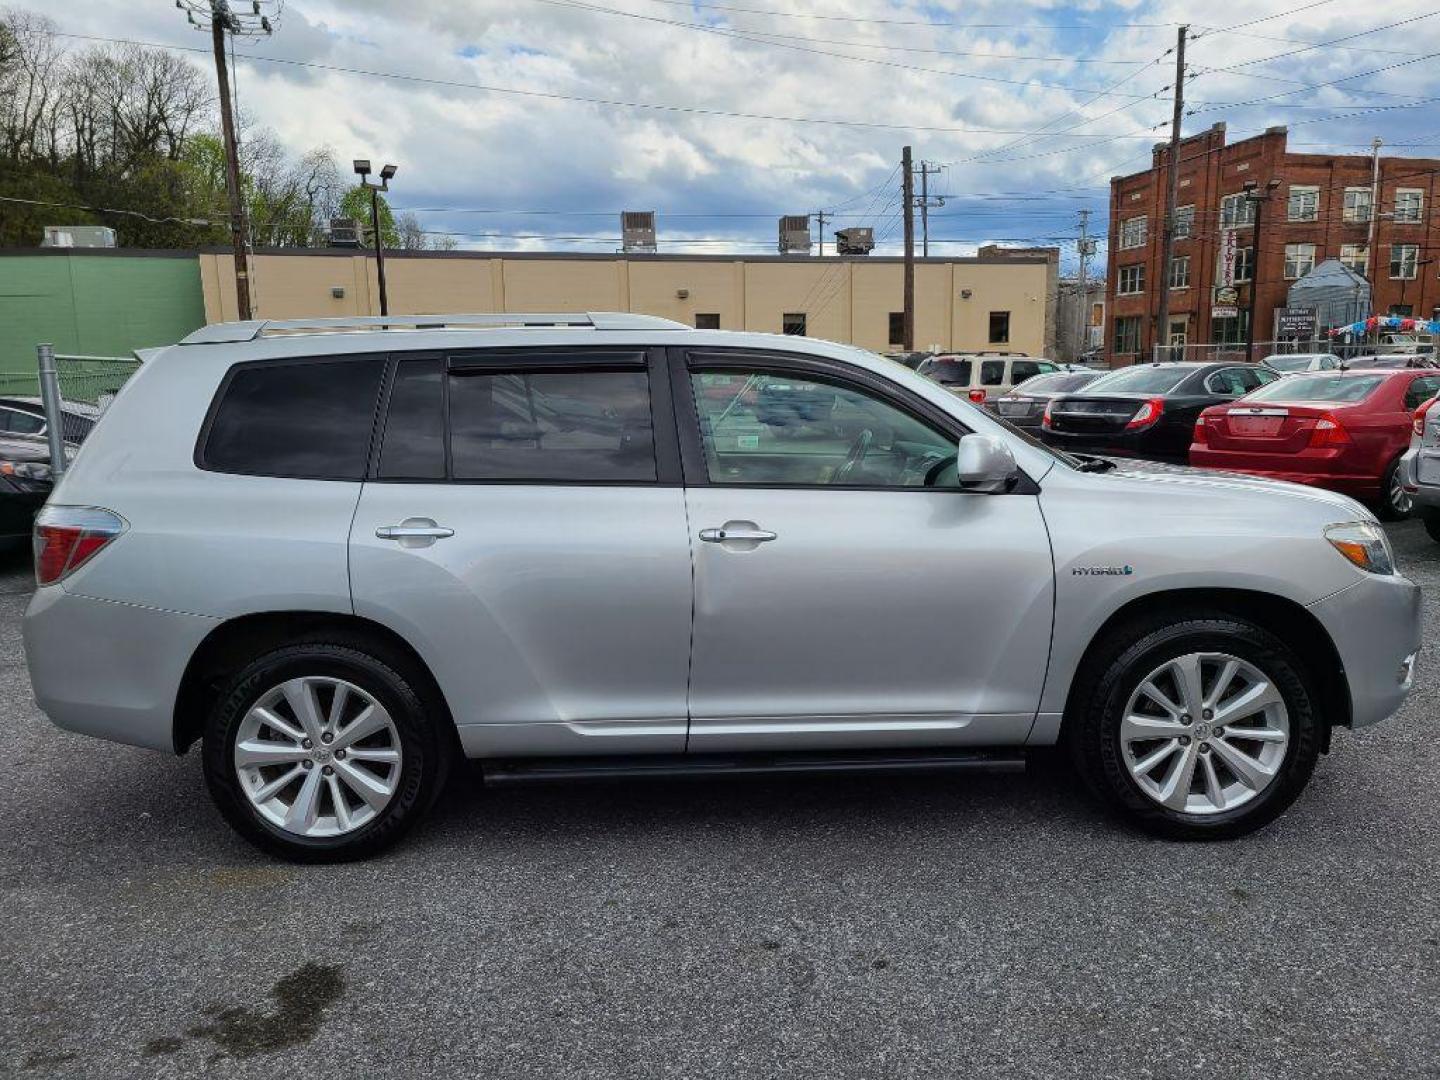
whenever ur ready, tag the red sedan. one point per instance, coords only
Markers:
(1342, 430)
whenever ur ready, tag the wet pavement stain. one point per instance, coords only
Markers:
(301, 999)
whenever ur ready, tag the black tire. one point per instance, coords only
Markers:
(425, 740)
(1432, 526)
(1387, 509)
(1128, 656)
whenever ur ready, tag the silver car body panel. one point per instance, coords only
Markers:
(558, 619)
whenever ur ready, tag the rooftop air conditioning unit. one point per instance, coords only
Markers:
(856, 241)
(78, 236)
(344, 232)
(637, 230)
(795, 234)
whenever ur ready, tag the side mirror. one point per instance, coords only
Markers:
(984, 464)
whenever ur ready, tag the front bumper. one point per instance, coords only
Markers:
(1376, 626)
(108, 669)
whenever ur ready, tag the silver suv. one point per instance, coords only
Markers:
(343, 556)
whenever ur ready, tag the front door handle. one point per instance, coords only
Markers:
(740, 531)
(414, 532)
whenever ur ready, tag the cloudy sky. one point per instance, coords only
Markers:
(532, 123)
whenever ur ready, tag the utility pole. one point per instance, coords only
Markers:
(217, 17)
(1172, 177)
(820, 228)
(1258, 201)
(926, 171)
(907, 197)
(1083, 303)
(1370, 263)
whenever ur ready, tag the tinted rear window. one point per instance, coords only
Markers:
(308, 418)
(563, 425)
(947, 372)
(1318, 388)
(1140, 380)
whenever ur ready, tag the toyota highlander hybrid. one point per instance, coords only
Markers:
(339, 555)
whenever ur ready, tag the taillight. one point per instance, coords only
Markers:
(977, 395)
(1417, 423)
(1150, 412)
(1328, 432)
(67, 537)
(1202, 430)
(1045, 420)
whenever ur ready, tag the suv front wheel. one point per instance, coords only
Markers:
(1203, 727)
(322, 753)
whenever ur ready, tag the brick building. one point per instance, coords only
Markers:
(1321, 208)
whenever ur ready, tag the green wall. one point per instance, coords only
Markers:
(97, 305)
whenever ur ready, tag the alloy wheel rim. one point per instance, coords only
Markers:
(1400, 500)
(318, 756)
(1204, 733)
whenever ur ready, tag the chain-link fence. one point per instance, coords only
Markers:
(72, 392)
(1232, 353)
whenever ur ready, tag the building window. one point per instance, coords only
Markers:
(1244, 264)
(1404, 261)
(897, 329)
(1230, 331)
(1236, 210)
(1304, 203)
(1180, 272)
(1299, 260)
(1357, 204)
(1133, 233)
(1405, 311)
(1409, 205)
(706, 320)
(1097, 314)
(1132, 279)
(1355, 256)
(1127, 334)
(999, 328)
(1184, 222)
(793, 323)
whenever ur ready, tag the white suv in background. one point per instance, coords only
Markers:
(610, 544)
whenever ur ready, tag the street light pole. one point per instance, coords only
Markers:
(362, 170)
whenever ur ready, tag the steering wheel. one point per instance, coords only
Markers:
(858, 449)
(933, 473)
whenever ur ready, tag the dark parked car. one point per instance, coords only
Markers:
(1146, 411)
(24, 485)
(1390, 362)
(1024, 406)
(25, 416)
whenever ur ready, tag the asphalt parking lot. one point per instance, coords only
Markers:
(971, 926)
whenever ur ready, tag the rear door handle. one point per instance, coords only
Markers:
(414, 532)
(736, 532)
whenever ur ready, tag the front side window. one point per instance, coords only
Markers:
(1409, 205)
(1299, 260)
(551, 425)
(304, 419)
(16, 422)
(778, 428)
(1132, 279)
(1421, 391)
(1357, 204)
(1304, 203)
(1133, 232)
(999, 328)
(1404, 261)
(1231, 382)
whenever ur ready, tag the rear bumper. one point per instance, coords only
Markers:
(1356, 485)
(1426, 496)
(108, 669)
(1376, 626)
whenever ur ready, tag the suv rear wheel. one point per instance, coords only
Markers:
(1395, 502)
(1201, 728)
(322, 753)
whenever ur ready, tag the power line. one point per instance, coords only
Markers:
(917, 22)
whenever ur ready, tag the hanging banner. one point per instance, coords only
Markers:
(1229, 253)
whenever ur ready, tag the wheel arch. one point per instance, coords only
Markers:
(237, 641)
(1288, 620)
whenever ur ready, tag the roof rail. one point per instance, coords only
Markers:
(219, 333)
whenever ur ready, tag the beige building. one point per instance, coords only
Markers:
(999, 300)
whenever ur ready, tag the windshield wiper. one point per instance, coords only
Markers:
(1091, 463)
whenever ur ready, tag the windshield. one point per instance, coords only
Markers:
(1289, 363)
(1060, 383)
(947, 371)
(1151, 379)
(1318, 388)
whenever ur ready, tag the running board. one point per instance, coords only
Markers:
(546, 770)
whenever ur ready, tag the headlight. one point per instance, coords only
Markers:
(1364, 544)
